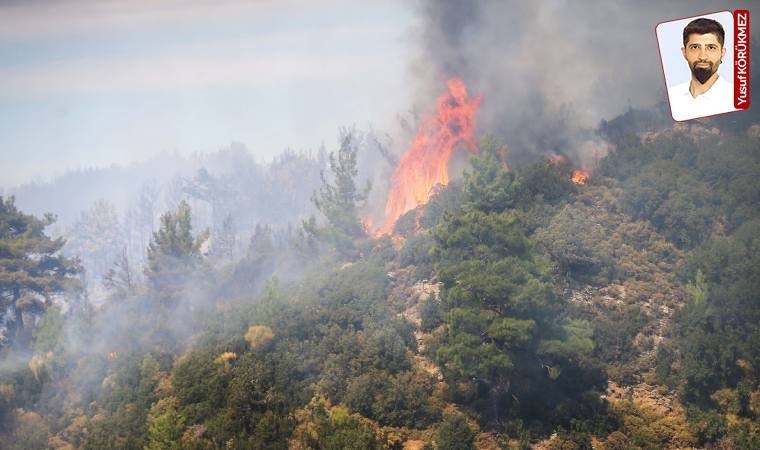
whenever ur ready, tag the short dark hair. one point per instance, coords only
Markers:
(704, 26)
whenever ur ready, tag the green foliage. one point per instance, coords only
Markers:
(491, 187)
(633, 153)
(682, 183)
(615, 334)
(31, 269)
(166, 427)
(576, 340)
(574, 243)
(442, 201)
(416, 252)
(339, 200)
(326, 427)
(401, 400)
(743, 395)
(729, 261)
(717, 329)
(698, 189)
(547, 181)
(708, 425)
(698, 289)
(339, 328)
(120, 412)
(455, 434)
(677, 203)
(628, 125)
(592, 241)
(173, 252)
(665, 209)
(664, 360)
(199, 384)
(174, 238)
(430, 314)
(261, 385)
(500, 309)
(484, 278)
(478, 235)
(743, 434)
(378, 349)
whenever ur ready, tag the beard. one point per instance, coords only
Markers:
(702, 74)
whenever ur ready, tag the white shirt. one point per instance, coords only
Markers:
(718, 99)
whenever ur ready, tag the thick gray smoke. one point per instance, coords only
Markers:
(549, 71)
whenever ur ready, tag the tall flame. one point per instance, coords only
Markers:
(425, 163)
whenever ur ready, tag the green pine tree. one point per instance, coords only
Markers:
(173, 252)
(339, 200)
(32, 271)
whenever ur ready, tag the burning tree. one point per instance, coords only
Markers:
(425, 163)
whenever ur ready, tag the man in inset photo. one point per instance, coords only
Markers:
(706, 93)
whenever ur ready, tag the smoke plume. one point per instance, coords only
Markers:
(548, 71)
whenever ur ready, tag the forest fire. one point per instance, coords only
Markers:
(580, 177)
(425, 163)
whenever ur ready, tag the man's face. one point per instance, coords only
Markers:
(703, 53)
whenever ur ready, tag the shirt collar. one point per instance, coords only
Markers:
(707, 94)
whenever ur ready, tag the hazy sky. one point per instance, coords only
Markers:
(91, 83)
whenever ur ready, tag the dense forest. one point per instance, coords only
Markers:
(515, 309)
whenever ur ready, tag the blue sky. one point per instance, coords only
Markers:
(88, 84)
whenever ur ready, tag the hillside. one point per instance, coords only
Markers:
(515, 309)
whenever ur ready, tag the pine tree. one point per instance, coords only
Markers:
(339, 200)
(173, 252)
(503, 336)
(32, 271)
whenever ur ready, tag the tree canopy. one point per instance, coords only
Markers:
(32, 271)
(173, 252)
(339, 199)
(502, 316)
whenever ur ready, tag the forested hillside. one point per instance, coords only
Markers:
(110, 213)
(516, 309)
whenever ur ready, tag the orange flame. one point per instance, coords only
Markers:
(580, 176)
(425, 163)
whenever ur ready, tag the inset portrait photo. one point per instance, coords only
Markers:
(697, 55)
